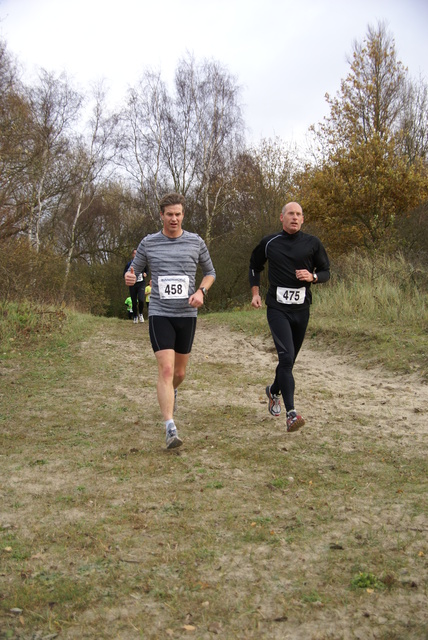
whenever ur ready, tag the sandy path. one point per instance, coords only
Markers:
(328, 387)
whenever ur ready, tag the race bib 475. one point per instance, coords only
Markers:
(286, 295)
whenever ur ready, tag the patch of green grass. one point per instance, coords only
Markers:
(13, 547)
(280, 483)
(364, 580)
(216, 484)
(312, 597)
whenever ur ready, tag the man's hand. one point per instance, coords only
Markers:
(196, 300)
(130, 277)
(256, 302)
(304, 274)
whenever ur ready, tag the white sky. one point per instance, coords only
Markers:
(286, 54)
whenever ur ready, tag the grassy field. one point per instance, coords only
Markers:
(244, 532)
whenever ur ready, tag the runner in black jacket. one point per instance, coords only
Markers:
(295, 261)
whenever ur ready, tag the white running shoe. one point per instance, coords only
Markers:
(172, 439)
(141, 317)
(274, 403)
(135, 320)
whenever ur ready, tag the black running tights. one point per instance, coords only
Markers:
(288, 330)
(137, 296)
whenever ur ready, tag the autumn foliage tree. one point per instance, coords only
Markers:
(363, 178)
(14, 129)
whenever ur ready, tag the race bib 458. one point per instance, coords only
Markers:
(173, 287)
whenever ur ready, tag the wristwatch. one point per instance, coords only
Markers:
(204, 291)
(315, 278)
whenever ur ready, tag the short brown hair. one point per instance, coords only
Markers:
(171, 198)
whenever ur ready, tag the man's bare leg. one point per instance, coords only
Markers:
(165, 387)
(181, 360)
(171, 373)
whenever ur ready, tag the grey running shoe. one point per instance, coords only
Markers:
(294, 421)
(274, 404)
(172, 439)
(135, 320)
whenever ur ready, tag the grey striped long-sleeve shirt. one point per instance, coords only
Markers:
(173, 263)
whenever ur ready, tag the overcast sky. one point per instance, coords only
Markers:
(285, 54)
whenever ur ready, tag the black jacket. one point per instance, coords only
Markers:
(286, 252)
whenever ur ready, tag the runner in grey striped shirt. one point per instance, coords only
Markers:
(173, 256)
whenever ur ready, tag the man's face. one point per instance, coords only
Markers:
(172, 218)
(292, 218)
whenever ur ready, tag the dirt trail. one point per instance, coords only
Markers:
(328, 387)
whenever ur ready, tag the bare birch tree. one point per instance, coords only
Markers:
(185, 142)
(93, 168)
(414, 120)
(211, 96)
(54, 108)
(145, 122)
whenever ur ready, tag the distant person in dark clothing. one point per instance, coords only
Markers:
(136, 292)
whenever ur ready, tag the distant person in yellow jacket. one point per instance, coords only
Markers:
(147, 292)
(128, 303)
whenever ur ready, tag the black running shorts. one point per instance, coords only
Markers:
(172, 333)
